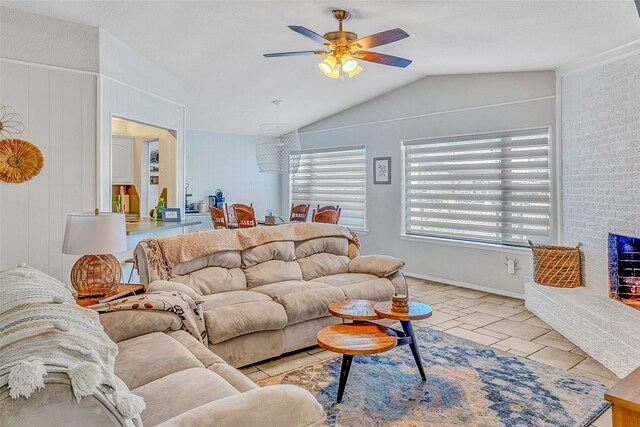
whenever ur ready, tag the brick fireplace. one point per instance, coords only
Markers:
(624, 269)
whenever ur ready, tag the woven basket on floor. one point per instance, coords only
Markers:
(557, 266)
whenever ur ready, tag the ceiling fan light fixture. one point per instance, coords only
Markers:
(328, 65)
(355, 71)
(348, 63)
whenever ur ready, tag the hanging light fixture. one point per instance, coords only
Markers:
(278, 146)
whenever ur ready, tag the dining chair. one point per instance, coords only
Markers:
(327, 216)
(218, 218)
(299, 213)
(244, 215)
(327, 208)
(232, 222)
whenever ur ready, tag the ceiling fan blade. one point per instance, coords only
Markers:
(381, 58)
(638, 6)
(310, 34)
(380, 39)
(303, 52)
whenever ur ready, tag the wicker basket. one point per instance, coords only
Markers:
(558, 266)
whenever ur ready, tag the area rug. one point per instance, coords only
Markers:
(468, 384)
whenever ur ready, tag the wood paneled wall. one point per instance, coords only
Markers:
(59, 113)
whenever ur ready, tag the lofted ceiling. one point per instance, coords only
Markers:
(216, 47)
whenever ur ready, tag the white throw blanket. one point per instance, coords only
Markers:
(43, 330)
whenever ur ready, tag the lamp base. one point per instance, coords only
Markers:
(96, 275)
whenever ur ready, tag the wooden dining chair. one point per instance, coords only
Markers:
(218, 218)
(299, 213)
(244, 215)
(327, 216)
(327, 208)
(231, 215)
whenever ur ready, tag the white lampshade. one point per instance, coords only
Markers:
(91, 234)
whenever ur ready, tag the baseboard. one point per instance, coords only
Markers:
(467, 285)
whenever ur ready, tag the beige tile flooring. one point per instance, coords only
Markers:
(500, 322)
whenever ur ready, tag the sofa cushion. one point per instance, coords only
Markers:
(181, 391)
(302, 300)
(323, 264)
(224, 259)
(332, 245)
(376, 289)
(232, 314)
(271, 272)
(211, 280)
(345, 278)
(139, 362)
(283, 251)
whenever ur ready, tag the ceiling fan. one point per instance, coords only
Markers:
(344, 47)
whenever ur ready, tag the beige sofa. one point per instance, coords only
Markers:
(181, 381)
(260, 301)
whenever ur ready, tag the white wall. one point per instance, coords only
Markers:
(601, 159)
(228, 161)
(438, 106)
(122, 63)
(44, 40)
(59, 112)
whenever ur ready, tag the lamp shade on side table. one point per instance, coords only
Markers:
(96, 236)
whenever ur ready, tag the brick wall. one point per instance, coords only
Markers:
(601, 159)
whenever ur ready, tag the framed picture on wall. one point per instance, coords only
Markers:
(171, 215)
(382, 170)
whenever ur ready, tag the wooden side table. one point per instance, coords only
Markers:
(124, 289)
(364, 337)
(354, 339)
(417, 311)
(625, 398)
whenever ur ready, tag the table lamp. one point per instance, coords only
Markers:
(96, 236)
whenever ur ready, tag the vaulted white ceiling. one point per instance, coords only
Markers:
(216, 47)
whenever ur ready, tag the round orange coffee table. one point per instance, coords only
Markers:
(363, 337)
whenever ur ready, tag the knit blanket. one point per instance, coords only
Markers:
(43, 330)
(170, 301)
(167, 252)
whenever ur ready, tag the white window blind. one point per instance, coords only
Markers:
(335, 176)
(491, 187)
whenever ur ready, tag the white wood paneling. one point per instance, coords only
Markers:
(228, 161)
(59, 111)
(124, 101)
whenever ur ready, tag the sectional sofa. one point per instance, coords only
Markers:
(264, 291)
(64, 365)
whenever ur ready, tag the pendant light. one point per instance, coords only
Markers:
(278, 146)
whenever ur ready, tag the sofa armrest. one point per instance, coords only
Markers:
(125, 324)
(272, 406)
(378, 265)
(165, 285)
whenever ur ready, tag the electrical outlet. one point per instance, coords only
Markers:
(512, 265)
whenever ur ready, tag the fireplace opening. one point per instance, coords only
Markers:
(624, 269)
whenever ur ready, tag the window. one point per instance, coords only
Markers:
(490, 188)
(334, 176)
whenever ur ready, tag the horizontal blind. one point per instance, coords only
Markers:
(335, 176)
(490, 188)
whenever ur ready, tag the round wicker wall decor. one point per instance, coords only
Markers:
(19, 160)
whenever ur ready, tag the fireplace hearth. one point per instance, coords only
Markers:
(624, 269)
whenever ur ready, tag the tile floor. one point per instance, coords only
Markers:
(500, 322)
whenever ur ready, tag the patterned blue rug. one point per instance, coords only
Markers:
(468, 384)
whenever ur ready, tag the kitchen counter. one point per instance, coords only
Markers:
(149, 226)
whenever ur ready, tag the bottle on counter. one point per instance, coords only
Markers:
(161, 205)
(154, 213)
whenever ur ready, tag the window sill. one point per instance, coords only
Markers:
(468, 245)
